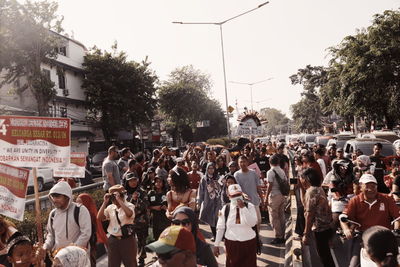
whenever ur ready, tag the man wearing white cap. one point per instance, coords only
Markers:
(237, 225)
(369, 208)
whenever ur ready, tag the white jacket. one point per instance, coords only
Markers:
(64, 230)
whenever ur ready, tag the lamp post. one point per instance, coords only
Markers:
(223, 53)
(251, 88)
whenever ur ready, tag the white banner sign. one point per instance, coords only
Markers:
(35, 141)
(249, 127)
(13, 183)
(76, 169)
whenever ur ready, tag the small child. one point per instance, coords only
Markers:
(20, 252)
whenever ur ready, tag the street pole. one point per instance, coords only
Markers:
(251, 88)
(226, 87)
(223, 54)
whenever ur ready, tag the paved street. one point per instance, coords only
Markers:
(271, 255)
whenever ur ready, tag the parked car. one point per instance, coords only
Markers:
(309, 139)
(45, 178)
(96, 162)
(340, 140)
(387, 135)
(322, 139)
(366, 145)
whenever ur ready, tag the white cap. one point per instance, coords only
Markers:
(367, 178)
(234, 189)
(365, 160)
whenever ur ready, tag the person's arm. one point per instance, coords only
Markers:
(108, 169)
(349, 211)
(248, 214)
(49, 242)
(85, 227)
(221, 225)
(100, 214)
(200, 193)
(270, 183)
(394, 211)
(128, 211)
(309, 215)
(192, 199)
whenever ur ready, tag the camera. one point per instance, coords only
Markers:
(293, 180)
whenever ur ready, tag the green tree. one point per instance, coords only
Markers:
(26, 42)
(120, 93)
(276, 120)
(363, 77)
(184, 100)
(307, 112)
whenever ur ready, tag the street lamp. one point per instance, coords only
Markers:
(251, 88)
(223, 54)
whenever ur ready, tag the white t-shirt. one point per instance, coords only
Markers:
(114, 227)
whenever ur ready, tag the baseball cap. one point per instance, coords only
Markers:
(234, 189)
(339, 149)
(131, 176)
(15, 241)
(173, 237)
(179, 160)
(150, 170)
(116, 188)
(367, 178)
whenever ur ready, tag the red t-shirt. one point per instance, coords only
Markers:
(381, 212)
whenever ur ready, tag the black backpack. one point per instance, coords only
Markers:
(284, 186)
(93, 236)
(259, 242)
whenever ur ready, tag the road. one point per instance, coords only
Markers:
(271, 255)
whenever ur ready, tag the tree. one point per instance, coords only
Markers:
(307, 112)
(26, 41)
(120, 93)
(276, 120)
(364, 72)
(184, 101)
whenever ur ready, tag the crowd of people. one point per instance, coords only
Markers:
(339, 198)
(164, 196)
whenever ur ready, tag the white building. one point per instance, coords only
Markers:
(67, 74)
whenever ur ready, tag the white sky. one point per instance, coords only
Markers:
(273, 41)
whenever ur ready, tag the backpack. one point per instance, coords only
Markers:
(93, 235)
(284, 186)
(259, 243)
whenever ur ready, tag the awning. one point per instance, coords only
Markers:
(78, 134)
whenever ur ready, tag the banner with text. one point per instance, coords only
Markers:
(35, 141)
(76, 169)
(13, 183)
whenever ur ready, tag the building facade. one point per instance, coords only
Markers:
(67, 73)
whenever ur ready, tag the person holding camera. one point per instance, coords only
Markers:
(121, 214)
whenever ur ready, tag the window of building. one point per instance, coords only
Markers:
(61, 79)
(62, 50)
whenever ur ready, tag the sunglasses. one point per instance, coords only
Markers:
(169, 255)
(184, 222)
(55, 195)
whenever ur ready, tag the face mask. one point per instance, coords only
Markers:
(235, 199)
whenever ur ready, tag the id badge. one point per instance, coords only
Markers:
(152, 198)
(164, 198)
(115, 230)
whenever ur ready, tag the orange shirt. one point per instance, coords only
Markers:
(381, 212)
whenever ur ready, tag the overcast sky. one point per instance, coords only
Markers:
(273, 41)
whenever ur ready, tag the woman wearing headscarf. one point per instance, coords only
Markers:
(71, 256)
(209, 198)
(186, 217)
(86, 200)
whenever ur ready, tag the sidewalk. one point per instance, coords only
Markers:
(271, 255)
